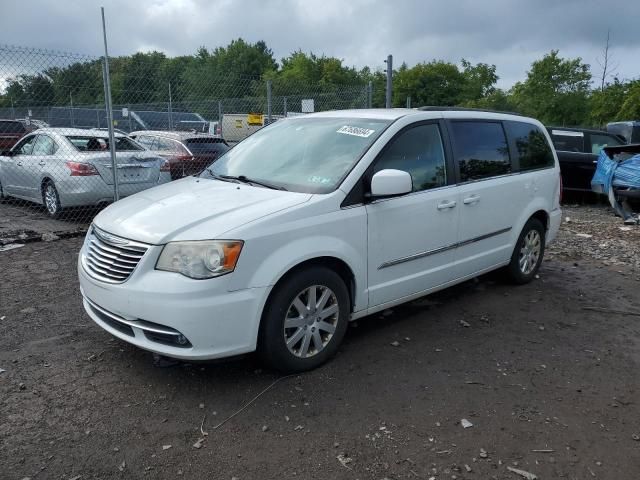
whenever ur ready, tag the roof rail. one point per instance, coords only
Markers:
(465, 109)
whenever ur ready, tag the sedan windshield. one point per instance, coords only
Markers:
(311, 155)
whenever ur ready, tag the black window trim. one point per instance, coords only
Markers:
(451, 121)
(356, 196)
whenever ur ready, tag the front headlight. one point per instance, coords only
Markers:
(200, 259)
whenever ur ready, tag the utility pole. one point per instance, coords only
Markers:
(389, 62)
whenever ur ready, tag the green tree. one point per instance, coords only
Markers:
(556, 90)
(607, 102)
(434, 83)
(630, 109)
(479, 81)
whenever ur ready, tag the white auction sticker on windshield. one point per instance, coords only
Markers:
(356, 131)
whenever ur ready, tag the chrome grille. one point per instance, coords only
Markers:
(110, 258)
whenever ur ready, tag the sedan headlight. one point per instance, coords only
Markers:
(201, 259)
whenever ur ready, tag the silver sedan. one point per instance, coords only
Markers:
(69, 167)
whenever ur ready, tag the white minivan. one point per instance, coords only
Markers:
(317, 220)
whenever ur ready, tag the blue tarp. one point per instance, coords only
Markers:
(612, 174)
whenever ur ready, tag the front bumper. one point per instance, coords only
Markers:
(173, 315)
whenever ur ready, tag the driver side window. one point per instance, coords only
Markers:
(418, 151)
(25, 147)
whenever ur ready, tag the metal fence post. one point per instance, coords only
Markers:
(269, 101)
(409, 101)
(170, 110)
(389, 62)
(284, 106)
(107, 98)
(220, 117)
(370, 94)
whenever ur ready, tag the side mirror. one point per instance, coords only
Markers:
(391, 183)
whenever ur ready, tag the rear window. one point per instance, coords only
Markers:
(206, 145)
(11, 127)
(481, 150)
(532, 148)
(568, 141)
(87, 143)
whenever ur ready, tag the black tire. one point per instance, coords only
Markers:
(515, 271)
(272, 346)
(51, 199)
(3, 197)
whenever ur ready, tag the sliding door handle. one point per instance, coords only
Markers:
(447, 204)
(473, 199)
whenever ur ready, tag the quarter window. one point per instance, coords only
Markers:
(418, 151)
(531, 146)
(481, 150)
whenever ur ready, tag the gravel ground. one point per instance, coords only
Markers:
(549, 384)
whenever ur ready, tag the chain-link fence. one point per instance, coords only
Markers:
(169, 122)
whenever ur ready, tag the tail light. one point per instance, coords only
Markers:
(165, 167)
(561, 188)
(79, 169)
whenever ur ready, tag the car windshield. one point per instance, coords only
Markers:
(310, 155)
(87, 143)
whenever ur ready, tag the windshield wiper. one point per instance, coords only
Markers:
(251, 181)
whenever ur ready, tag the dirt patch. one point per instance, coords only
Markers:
(548, 386)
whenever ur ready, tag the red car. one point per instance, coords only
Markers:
(188, 153)
(13, 130)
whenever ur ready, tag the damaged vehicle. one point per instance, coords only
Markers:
(618, 177)
(314, 221)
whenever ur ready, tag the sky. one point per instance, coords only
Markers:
(508, 33)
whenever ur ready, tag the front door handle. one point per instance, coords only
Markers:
(42, 163)
(473, 199)
(446, 205)
(19, 164)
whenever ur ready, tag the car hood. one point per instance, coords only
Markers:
(192, 209)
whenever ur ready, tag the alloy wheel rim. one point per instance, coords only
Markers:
(50, 199)
(310, 321)
(530, 252)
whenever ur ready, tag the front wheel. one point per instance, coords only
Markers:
(305, 320)
(51, 200)
(528, 253)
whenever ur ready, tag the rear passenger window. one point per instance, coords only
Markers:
(568, 141)
(481, 150)
(599, 141)
(531, 144)
(418, 151)
(11, 127)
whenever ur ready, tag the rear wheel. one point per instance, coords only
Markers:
(3, 197)
(305, 320)
(51, 200)
(528, 253)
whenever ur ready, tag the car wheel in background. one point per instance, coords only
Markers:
(304, 320)
(528, 253)
(51, 199)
